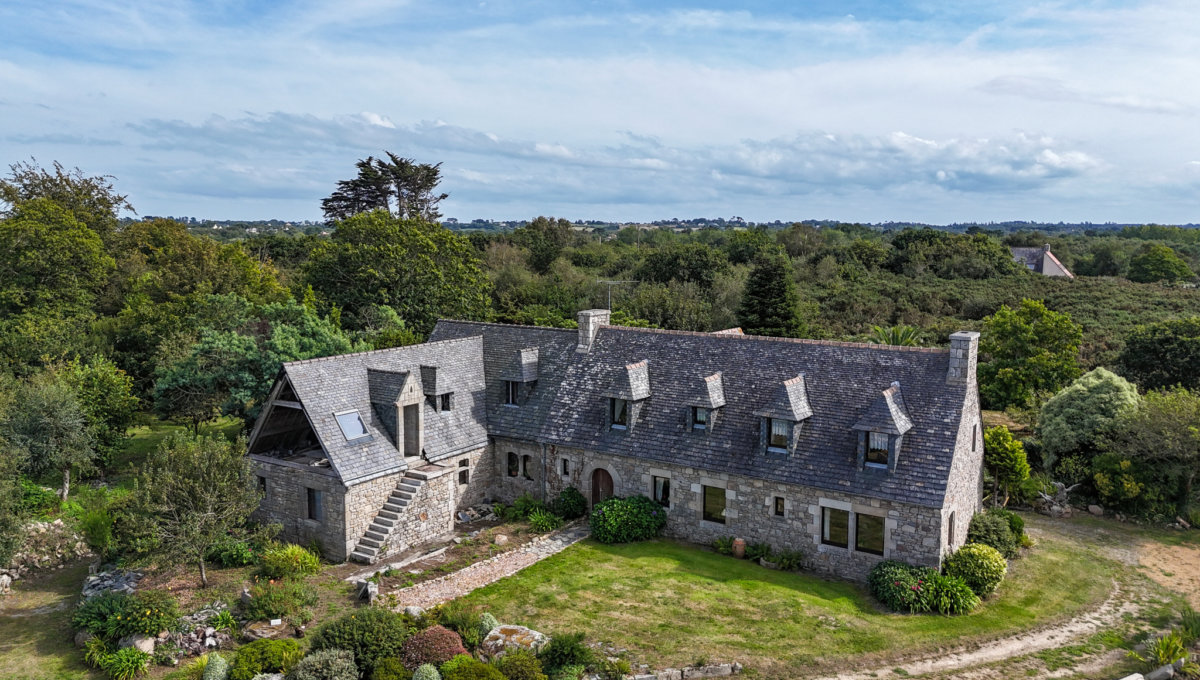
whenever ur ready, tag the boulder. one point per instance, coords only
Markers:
(1096, 510)
(500, 539)
(1161, 673)
(414, 611)
(5, 583)
(505, 637)
(260, 630)
(142, 643)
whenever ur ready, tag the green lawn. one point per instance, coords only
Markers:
(36, 640)
(673, 604)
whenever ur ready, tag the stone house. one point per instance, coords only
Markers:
(1041, 261)
(849, 452)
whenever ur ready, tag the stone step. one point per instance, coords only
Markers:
(391, 511)
(406, 495)
(375, 535)
(416, 474)
(406, 485)
(367, 540)
(362, 558)
(399, 503)
(384, 521)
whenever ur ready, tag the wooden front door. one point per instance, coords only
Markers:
(602, 485)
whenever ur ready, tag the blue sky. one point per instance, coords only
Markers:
(857, 110)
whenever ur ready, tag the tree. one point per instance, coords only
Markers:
(48, 432)
(423, 271)
(904, 336)
(91, 200)
(400, 186)
(1163, 354)
(1005, 458)
(105, 395)
(196, 492)
(745, 244)
(1031, 351)
(545, 237)
(1079, 417)
(686, 262)
(11, 517)
(1163, 436)
(771, 304)
(1156, 262)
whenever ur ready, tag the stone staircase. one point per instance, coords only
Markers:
(370, 547)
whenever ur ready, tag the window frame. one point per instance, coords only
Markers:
(526, 461)
(872, 449)
(315, 501)
(464, 472)
(446, 401)
(512, 392)
(858, 533)
(514, 464)
(704, 515)
(827, 524)
(565, 467)
(700, 418)
(665, 499)
(337, 417)
(613, 423)
(780, 507)
(771, 447)
(262, 486)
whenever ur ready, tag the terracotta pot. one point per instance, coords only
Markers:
(739, 548)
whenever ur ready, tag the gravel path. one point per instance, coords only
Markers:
(493, 569)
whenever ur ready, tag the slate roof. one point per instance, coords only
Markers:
(368, 382)
(1040, 260)
(788, 401)
(631, 382)
(708, 392)
(887, 413)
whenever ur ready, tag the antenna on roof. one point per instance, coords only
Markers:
(610, 285)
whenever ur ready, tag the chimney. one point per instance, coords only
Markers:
(964, 354)
(1046, 248)
(590, 321)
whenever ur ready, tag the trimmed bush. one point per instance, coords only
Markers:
(280, 599)
(327, 664)
(217, 668)
(520, 664)
(570, 504)
(434, 645)
(391, 669)
(624, 520)
(264, 656)
(900, 587)
(427, 672)
(471, 670)
(565, 650)
(487, 623)
(1016, 523)
(452, 665)
(288, 561)
(125, 664)
(950, 595)
(993, 529)
(370, 633)
(981, 566)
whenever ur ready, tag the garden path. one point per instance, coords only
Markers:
(488, 571)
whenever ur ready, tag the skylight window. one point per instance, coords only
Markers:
(351, 424)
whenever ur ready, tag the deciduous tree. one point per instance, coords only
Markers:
(1030, 351)
(545, 237)
(1157, 262)
(1005, 459)
(1077, 419)
(1163, 354)
(1163, 435)
(93, 201)
(48, 432)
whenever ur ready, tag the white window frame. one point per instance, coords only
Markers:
(786, 435)
(871, 447)
(612, 414)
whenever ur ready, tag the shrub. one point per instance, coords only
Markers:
(452, 665)
(471, 670)
(525, 505)
(194, 670)
(125, 664)
(149, 612)
(520, 664)
(1016, 523)
(574, 672)
(565, 650)
(279, 599)
(426, 672)
(788, 560)
(264, 656)
(754, 551)
(900, 587)
(570, 504)
(96, 525)
(613, 669)
(391, 669)
(36, 500)
(217, 668)
(1165, 650)
(980, 566)
(1189, 627)
(288, 561)
(543, 521)
(723, 545)
(435, 645)
(327, 664)
(94, 651)
(370, 633)
(624, 520)
(993, 529)
(232, 552)
(94, 614)
(463, 621)
(223, 621)
(487, 623)
(950, 595)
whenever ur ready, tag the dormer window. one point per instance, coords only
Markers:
(877, 449)
(778, 433)
(446, 401)
(699, 418)
(782, 418)
(511, 391)
(881, 430)
(618, 414)
(351, 424)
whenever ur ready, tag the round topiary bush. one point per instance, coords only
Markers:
(327, 664)
(434, 645)
(950, 595)
(264, 656)
(981, 566)
(370, 633)
(487, 623)
(520, 664)
(217, 668)
(452, 665)
(990, 528)
(624, 520)
(570, 504)
(426, 672)
(1016, 523)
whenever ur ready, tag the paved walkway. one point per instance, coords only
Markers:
(493, 569)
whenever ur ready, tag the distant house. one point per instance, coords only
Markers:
(849, 452)
(1040, 260)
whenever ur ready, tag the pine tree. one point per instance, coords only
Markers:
(770, 305)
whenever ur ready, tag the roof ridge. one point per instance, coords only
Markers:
(766, 338)
(377, 351)
(509, 325)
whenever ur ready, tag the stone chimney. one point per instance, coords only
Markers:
(1046, 248)
(590, 321)
(964, 354)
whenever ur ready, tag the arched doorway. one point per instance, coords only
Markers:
(602, 485)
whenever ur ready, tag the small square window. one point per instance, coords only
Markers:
(566, 467)
(699, 418)
(526, 463)
(662, 490)
(262, 486)
(779, 433)
(779, 506)
(835, 527)
(619, 414)
(868, 535)
(877, 449)
(714, 504)
(514, 464)
(511, 392)
(446, 401)
(316, 505)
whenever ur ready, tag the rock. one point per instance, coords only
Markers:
(142, 643)
(464, 517)
(1182, 522)
(714, 671)
(259, 630)
(164, 635)
(1135, 676)
(457, 540)
(737, 667)
(116, 580)
(1161, 673)
(269, 676)
(670, 674)
(500, 539)
(210, 631)
(367, 590)
(82, 637)
(414, 611)
(246, 596)
(1096, 510)
(5, 583)
(505, 637)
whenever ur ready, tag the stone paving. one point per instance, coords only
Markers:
(493, 569)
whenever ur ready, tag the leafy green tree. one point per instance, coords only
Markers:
(870, 253)
(11, 517)
(1163, 354)
(950, 256)
(423, 271)
(685, 262)
(92, 201)
(1079, 417)
(196, 492)
(800, 240)
(1031, 351)
(745, 244)
(1005, 458)
(904, 336)
(545, 238)
(106, 398)
(1157, 262)
(397, 185)
(48, 432)
(1163, 435)
(771, 304)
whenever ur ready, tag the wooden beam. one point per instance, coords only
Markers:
(288, 404)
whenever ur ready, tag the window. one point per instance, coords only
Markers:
(511, 390)
(714, 504)
(262, 485)
(352, 426)
(316, 505)
(877, 449)
(514, 464)
(446, 401)
(526, 463)
(778, 434)
(464, 472)
(835, 527)
(975, 439)
(619, 414)
(699, 418)
(566, 467)
(779, 506)
(868, 535)
(950, 537)
(662, 490)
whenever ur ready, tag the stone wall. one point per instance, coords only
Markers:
(480, 466)
(964, 485)
(505, 487)
(429, 515)
(363, 502)
(286, 503)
